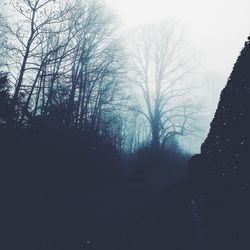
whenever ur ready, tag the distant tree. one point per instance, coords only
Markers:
(157, 70)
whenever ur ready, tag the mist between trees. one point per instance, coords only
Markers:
(66, 67)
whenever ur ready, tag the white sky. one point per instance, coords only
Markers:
(216, 30)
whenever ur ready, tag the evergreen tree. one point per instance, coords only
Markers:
(225, 152)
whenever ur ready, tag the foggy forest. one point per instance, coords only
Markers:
(110, 138)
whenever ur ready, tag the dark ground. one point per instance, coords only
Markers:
(134, 215)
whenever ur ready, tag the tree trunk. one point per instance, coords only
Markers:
(155, 135)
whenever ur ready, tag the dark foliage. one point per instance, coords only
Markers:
(48, 159)
(223, 163)
(168, 163)
(44, 155)
(4, 99)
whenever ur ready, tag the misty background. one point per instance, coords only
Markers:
(215, 31)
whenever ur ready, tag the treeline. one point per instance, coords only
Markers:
(61, 86)
(74, 97)
(66, 65)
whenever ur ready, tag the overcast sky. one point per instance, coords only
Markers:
(216, 29)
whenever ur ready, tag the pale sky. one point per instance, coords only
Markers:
(216, 29)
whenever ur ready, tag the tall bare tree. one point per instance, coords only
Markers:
(158, 70)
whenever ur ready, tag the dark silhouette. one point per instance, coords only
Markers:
(5, 100)
(220, 174)
(223, 162)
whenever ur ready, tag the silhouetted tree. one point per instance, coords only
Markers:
(225, 153)
(66, 65)
(5, 99)
(34, 18)
(96, 67)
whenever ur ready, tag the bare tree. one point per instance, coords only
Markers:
(96, 67)
(3, 39)
(66, 64)
(33, 18)
(158, 69)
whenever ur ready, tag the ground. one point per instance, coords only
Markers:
(132, 216)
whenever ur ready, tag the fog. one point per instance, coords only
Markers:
(215, 30)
